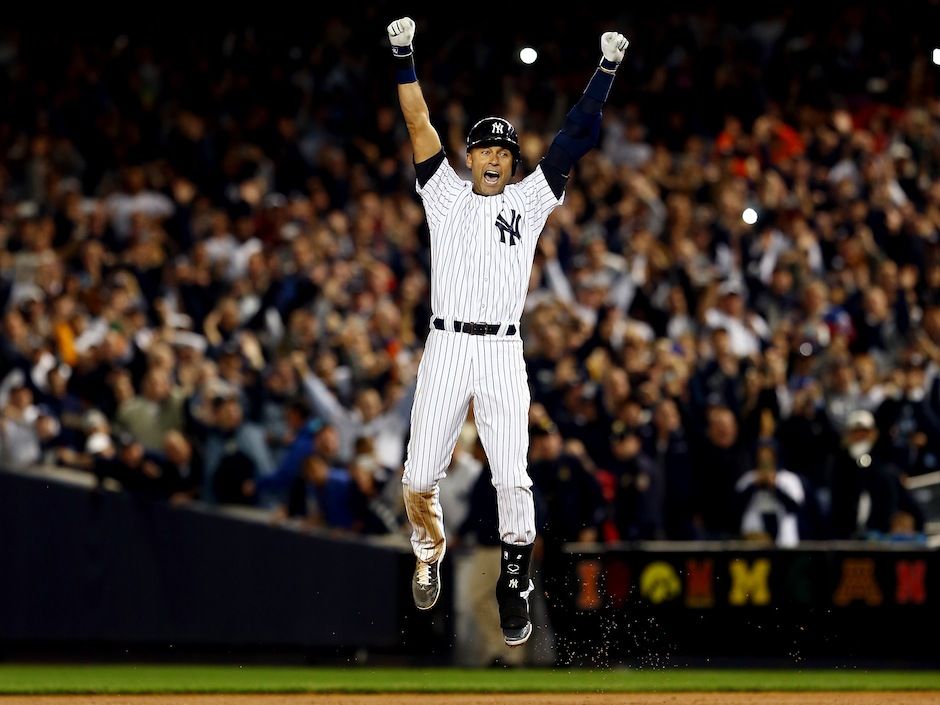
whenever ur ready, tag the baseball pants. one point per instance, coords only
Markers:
(455, 368)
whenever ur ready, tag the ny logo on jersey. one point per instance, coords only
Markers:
(509, 227)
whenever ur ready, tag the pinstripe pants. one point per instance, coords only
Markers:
(455, 368)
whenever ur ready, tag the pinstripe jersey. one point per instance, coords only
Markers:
(482, 247)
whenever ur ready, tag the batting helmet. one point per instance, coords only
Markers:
(495, 131)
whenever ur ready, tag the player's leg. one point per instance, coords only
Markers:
(501, 411)
(440, 408)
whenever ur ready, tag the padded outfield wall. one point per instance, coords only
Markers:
(86, 571)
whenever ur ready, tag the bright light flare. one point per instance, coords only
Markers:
(528, 55)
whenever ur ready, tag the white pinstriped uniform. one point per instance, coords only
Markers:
(479, 274)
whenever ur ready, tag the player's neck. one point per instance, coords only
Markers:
(486, 195)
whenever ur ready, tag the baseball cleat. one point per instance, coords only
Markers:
(514, 613)
(517, 637)
(426, 584)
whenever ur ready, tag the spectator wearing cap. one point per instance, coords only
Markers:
(867, 492)
(746, 331)
(771, 499)
(639, 487)
(911, 421)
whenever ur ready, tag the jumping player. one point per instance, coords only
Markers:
(483, 241)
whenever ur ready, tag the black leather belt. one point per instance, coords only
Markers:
(475, 328)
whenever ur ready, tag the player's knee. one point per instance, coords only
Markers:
(419, 484)
(513, 487)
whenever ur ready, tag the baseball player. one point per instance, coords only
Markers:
(483, 239)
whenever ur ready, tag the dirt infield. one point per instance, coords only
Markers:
(862, 698)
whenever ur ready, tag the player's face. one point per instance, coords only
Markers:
(491, 167)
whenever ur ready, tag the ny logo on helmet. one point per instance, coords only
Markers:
(509, 228)
(497, 128)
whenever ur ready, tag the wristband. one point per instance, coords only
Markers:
(608, 66)
(405, 67)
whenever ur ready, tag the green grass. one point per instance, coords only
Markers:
(362, 679)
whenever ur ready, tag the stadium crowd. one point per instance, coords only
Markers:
(213, 278)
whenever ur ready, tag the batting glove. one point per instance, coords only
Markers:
(400, 34)
(613, 46)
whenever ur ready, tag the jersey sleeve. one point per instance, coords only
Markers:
(539, 198)
(439, 190)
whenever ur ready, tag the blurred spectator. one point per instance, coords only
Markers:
(721, 459)
(668, 448)
(236, 455)
(639, 487)
(157, 410)
(772, 499)
(866, 490)
(183, 467)
(300, 433)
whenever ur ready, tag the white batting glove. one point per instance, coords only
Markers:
(613, 46)
(400, 33)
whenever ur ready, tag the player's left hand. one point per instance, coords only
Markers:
(613, 46)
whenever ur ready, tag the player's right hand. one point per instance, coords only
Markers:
(401, 32)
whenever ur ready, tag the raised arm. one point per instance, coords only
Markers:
(424, 138)
(583, 123)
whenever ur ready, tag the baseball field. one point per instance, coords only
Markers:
(361, 685)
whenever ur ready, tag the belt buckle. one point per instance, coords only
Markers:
(477, 328)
